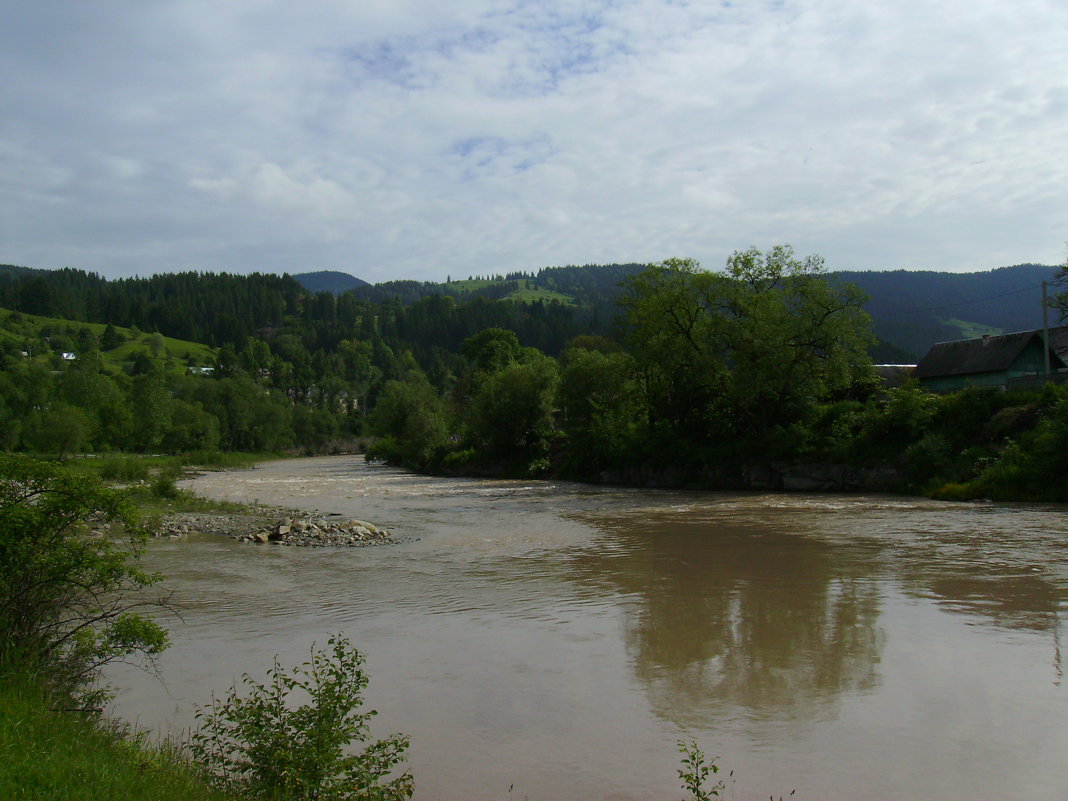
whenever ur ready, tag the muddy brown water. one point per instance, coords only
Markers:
(546, 640)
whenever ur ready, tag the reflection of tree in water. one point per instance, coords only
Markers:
(728, 615)
(1015, 580)
(994, 574)
(1011, 601)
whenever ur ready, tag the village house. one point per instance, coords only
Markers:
(1006, 361)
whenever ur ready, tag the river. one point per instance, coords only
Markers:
(548, 640)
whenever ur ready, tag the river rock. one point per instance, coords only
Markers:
(321, 532)
(289, 529)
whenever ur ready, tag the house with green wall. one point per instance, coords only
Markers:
(998, 362)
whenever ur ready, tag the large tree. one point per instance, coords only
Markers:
(742, 355)
(410, 421)
(602, 408)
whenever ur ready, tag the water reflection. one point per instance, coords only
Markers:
(983, 567)
(770, 622)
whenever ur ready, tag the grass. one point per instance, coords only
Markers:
(528, 291)
(136, 467)
(178, 349)
(470, 285)
(151, 478)
(970, 330)
(533, 294)
(19, 327)
(185, 501)
(66, 756)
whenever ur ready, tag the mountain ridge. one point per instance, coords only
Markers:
(910, 309)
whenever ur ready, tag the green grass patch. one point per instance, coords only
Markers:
(954, 491)
(133, 466)
(46, 754)
(528, 291)
(152, 503)
(470, 285)
(970, 330)
(182, 353)
(150, 480)
(178, 354)
(532, 295)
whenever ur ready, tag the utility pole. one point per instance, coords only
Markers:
(1045, 326)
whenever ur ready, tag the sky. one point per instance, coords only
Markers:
(426, 139)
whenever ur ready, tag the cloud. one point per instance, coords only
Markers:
(420, 139)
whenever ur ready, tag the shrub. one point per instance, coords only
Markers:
(962, 416)
(955, 492)
(69, 600)
(128, 468)
(457, 459)
(695, 770)
(928, 458)
(1011, 421)
(163, 487)
(260, 746)
(1030, 468)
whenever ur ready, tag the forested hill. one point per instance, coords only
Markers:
(329, 281)
(9, 272)
(214, 308)
(911, 309)
(915, 309)
(590, 285)
(223, 309)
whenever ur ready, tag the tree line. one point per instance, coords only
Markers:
(722, 380)
(700, 377)
(709, 368)
(292, 369)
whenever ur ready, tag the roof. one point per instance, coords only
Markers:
(967, 356)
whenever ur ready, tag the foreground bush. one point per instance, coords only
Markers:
(261, 745)
(70, 599)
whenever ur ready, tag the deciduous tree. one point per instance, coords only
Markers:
(742, 355)
(69, 601)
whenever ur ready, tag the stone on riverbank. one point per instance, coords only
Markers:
(320, 532)
(288, 530)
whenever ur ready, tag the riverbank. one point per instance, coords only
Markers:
(56, 754)
(160, 490)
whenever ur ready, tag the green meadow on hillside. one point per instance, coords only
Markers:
(45, 337)
(521, 290)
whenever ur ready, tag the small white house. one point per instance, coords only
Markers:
(68, 356)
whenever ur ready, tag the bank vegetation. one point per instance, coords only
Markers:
(756, 378)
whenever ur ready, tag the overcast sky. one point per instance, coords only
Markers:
(411, 139)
